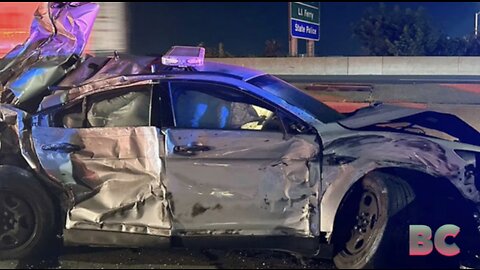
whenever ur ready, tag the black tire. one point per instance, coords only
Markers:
(386, 244)
(27, 219)
(369, 240)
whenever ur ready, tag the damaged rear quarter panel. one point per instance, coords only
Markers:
(115, 175)
(58, 36)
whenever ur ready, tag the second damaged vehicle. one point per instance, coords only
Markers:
(143, 151)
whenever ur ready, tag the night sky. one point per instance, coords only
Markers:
(244, 27)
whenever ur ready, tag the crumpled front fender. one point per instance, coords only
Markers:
(348, 159)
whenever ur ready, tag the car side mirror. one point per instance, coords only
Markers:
(299, 127)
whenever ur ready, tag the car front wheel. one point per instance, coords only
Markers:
(371, 223)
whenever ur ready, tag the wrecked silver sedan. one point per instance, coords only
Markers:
(127, 151)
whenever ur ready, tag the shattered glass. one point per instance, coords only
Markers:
(129, 108)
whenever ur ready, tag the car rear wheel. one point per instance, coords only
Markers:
(26, 218)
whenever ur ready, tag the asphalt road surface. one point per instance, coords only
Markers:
(101, 258)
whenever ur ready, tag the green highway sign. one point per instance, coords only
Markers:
(306, 11)
(305, 20)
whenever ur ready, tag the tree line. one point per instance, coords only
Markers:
(406, 32)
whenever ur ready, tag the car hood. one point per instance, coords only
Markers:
(378, 113)
(375, 116)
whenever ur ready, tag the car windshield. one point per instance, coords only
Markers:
(297, 98)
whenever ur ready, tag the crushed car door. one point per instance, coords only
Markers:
(105, 152)
(232, 169)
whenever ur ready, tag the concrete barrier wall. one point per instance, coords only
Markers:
(420, 66)
(360, 65)
(365, 65)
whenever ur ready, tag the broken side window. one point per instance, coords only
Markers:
(72, 116)
(213, 106)
(119, 108)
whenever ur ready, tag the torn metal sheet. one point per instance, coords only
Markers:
(101, 68)
(77, 93)
(114, 173)
(247, 183)
(85, 70)
(58, 36)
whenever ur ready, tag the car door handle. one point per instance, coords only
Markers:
(62, 147)
(191, 149)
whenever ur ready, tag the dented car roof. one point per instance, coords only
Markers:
(98, 72)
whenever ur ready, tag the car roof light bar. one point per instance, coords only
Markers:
(184, 56)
